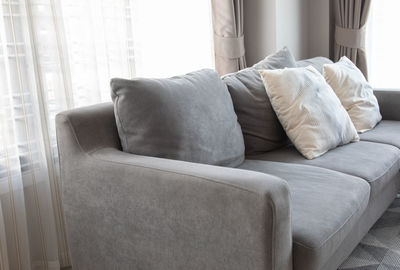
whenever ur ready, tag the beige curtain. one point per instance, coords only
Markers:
(228, 35)
(350, 20)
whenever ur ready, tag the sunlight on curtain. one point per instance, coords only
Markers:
(383, 44)
(56, 55)
(168, 44)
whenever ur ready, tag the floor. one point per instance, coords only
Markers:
(380, 248)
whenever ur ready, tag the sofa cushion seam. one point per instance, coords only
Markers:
(379, 142)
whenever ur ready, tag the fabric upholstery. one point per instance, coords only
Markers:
(184, 117)
(320, 220)
(374, 162)
(260, 126)
(317, 62)
(387, 131)
(228, 35)
(388, 104)
(309, 110)
(206, 217)
(350, 20)
(154, 213)
(354, 92)
(376, 207)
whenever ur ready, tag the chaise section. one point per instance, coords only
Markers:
(126, 211)
(374, 162)
(387, 132)
(326, 205)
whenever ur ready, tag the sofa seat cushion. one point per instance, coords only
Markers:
(387, 131)
(325, 206)
(375, 162)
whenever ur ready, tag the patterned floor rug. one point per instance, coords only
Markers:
(380, 248)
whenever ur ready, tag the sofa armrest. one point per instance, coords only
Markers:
(389, 103)
(126, 211)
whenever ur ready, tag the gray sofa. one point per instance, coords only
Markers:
(277, 210)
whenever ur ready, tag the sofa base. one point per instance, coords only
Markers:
(376, 207)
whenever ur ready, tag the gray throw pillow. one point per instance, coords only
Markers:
(188, 117)
(281, 59)
(261, 128)
(317, 62)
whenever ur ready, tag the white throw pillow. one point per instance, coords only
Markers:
(354, 92)
(308, 110)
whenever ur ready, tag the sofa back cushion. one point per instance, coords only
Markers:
(310, 112)
(317, 62)
(355, 93)
(261, 128)
(280, 59)
(188, 117)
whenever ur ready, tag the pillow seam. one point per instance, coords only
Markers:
(119, 119)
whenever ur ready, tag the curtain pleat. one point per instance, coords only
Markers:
(30, 240)
(45, 115)
(36, 84)
(56, 55)
(351, 15)
(228, 35)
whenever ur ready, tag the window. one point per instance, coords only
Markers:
(60, 54)
(383, 44)
(56, 55)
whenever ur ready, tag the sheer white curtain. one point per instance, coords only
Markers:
(383, 44)
(60, 54)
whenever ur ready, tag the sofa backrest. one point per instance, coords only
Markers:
(317, 62)
(91, 128)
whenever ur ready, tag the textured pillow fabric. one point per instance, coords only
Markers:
(308, 109)
(261, 128)
(281, 59)
(317, 62)
(355, 93)
(188, 117)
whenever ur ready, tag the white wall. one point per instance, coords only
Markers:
(291, 19)
(301, 25)
(259, 29)
(318, 28)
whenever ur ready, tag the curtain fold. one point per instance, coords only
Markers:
(350, 20)
(228, 35)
